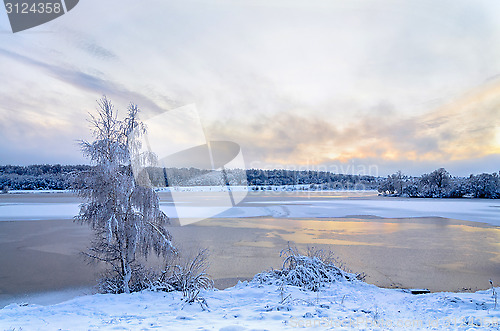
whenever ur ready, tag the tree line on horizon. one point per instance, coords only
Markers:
(437, 184)
(62, 177)
(40, 176)
(440, 184)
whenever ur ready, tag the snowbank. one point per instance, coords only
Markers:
(340, 305)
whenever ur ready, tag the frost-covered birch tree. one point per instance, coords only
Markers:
(125, 217)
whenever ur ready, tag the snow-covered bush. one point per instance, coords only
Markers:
(111, 281)
(188, 276)
(310, 271)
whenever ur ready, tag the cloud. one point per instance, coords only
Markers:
(464, 129)
(85, 81)
(96, 50)
(294, 82)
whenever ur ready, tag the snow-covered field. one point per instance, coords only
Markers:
(252, 306)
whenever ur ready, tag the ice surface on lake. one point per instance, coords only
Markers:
(476, 210)
(487, 211)
(37, 211)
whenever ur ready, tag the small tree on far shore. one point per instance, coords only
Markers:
(126, 219)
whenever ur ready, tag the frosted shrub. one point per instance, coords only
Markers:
(111, 281)
(188, 277)
(309, 271)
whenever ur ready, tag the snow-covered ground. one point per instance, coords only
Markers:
(252, 306)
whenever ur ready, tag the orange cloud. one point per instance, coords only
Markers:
(465, 128)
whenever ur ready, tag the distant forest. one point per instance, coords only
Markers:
(437, 184)
(440, 184)
(40, 176)
(62, 177)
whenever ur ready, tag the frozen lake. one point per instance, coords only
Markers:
(46, 206)
(342, 204)
(439, 244)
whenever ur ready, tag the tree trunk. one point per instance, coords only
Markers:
(127, 274)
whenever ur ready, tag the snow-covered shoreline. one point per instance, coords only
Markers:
(255, 306)
(219, 188)
(37, 191)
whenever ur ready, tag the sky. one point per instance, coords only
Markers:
(367, 87)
